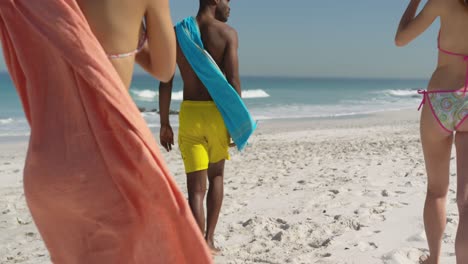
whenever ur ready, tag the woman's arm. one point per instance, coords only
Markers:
(159, 55)
(411, 26)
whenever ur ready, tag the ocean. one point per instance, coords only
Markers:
(268, 98)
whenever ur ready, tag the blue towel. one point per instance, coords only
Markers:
(236, 117)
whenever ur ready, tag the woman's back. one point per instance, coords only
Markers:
(118, 25)
(453, 46)
(451, 69)
(454, 26)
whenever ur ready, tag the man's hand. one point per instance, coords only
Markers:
(166, 137)
(232, 144)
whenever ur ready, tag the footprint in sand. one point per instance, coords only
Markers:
(404, 256)
(366, 246)
(283, 224)
(320, 243)
(30, 234)
(247, 223)
(278, 237)
(22, 222)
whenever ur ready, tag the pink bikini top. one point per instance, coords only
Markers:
(463, 56)
(141, 44)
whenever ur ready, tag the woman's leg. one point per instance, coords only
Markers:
(437, 145)
(461, 243)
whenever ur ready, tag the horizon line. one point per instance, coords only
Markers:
(138, 73)
(313, 77)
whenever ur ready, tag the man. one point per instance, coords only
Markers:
(203, 137)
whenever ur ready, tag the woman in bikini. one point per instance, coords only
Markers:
(444, 111)
(94, 180)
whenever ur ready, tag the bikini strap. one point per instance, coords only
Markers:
(465, 58)
(141, 44)
(424, 94)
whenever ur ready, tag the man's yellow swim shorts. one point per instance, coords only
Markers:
(203, 137)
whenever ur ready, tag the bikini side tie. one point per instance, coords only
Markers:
(424, 93)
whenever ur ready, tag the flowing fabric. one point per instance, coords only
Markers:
(94, 179)
(233, 110)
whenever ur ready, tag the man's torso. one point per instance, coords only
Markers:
(214, 39)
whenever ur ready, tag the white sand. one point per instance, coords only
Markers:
(304, 191)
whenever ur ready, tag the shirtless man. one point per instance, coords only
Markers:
(203, 137)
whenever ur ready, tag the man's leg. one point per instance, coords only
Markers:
(214, 200)
(196, 187)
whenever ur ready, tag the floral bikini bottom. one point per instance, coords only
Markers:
(450, 107)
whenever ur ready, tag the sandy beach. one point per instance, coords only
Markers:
(342, 190)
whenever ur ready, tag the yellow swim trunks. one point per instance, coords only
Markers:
(203, 137)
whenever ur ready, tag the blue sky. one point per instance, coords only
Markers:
(312, 38)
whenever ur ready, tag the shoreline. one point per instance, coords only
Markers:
(301, 123)
(384, 118)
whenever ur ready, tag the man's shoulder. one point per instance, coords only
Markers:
(224, 29)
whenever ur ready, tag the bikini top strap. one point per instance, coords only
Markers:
(465, 58)
(141, 43)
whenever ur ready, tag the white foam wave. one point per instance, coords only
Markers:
(402, 93)
(257, 93)
(144, 95)
(149, 95)
(178, 96)
(6, 121)
(14, 127)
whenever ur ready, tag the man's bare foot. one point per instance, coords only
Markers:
(214, 250)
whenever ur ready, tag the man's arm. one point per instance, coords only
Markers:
(166, 136)
(231, 60)
(231, 63)
(165, 96)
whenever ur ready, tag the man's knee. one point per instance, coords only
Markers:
(216, 170)
(196, 183)
(197, 193)
(216, 177)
